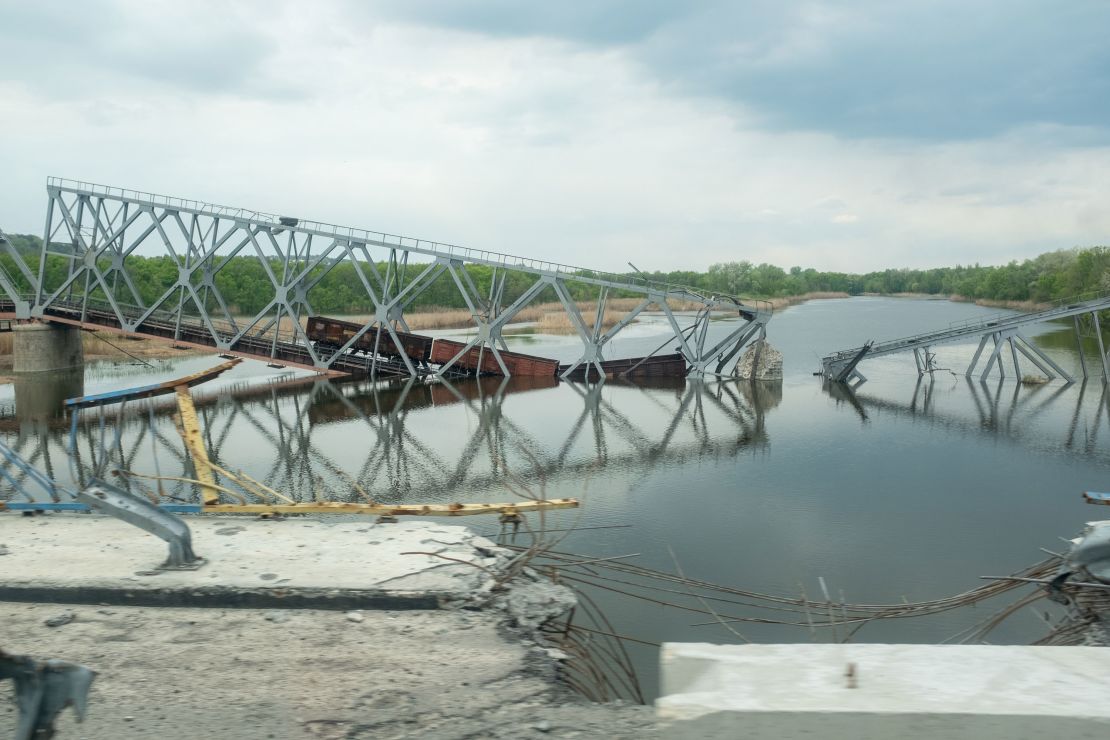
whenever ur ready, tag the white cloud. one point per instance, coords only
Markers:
(534, 146)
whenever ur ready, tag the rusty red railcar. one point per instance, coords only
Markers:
(633, 368)
(517, 363)
(336, 333)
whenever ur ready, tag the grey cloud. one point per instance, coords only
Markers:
(936, 72)
(866, 69)
(92, 48)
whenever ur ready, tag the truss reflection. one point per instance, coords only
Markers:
(1009, 411)
(317, 439)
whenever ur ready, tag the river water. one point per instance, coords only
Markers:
(909, 488)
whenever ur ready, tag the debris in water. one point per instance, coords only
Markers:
(760, 361)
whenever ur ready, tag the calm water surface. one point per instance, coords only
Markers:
(906, 488)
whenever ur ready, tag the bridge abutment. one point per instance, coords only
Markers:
(46, 347)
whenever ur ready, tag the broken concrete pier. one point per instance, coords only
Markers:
(45, 347)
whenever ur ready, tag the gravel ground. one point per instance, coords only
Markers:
(216, 673)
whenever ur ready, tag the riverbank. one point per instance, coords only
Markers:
(109, 347)
(1026, 306)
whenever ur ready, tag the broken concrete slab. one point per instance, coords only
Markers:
(290, 563)
(236, 673)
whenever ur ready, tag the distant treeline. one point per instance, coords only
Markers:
(245, 286)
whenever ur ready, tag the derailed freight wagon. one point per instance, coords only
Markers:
(516, 363)
(334, 333)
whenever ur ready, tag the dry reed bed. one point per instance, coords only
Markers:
(108, 346)
(549, 318)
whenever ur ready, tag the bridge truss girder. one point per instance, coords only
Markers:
(94, 229)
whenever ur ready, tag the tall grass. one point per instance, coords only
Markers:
(560, 323)
(106, 346)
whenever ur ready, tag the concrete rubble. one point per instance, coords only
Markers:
(760, 361)
(302, 628)
(1087, 561)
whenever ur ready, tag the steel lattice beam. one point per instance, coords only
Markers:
(94, 229)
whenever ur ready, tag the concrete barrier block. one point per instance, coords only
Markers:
(862, 692)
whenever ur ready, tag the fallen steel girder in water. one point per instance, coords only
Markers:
(149, 391)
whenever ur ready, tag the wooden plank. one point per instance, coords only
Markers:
(338, 507)
(321, 508)
(194, 442)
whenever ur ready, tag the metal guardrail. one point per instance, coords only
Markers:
(430, 247)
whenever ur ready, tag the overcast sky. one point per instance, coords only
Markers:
(847, 135)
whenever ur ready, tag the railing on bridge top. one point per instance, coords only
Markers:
(425, 246)
(93, 229)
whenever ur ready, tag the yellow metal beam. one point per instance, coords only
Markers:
(338, 507)
(190, 432)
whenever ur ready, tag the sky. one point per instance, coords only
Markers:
(847, 136)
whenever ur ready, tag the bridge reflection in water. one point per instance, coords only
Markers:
(412, 442)
(1070, 418)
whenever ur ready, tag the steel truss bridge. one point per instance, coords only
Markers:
(995, 333)
(95, 229)
(298, 419)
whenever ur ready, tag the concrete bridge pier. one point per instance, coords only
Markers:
(40, 397)
(45, 347)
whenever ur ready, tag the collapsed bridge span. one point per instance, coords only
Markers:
(1001, 330)
(93, 232)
